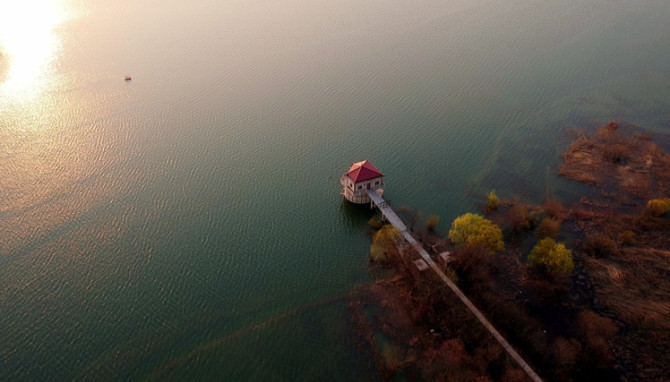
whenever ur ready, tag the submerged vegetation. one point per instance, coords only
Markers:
(595, 308)
(492, 201)
(626, 167)
(375, 222)
(549, 227)
(433, 220)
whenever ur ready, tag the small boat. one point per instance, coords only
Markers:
(128, 78)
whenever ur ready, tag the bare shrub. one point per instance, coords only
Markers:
(519, 217)
(549, 227)
(548, 291)
(612, 125)
(595, 331)
(589, 323)
(553, 208)
(410, 216)
(566, 351)
(514, 375)
(600, 245)
(626, 237)
(472, 265)
(454, 352)
(617, 153)
(450, 361)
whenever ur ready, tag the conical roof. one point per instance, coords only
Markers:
(361, 171)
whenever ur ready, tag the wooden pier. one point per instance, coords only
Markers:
(392, 218)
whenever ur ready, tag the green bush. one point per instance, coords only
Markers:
(492, 200)
(473, 231)
(551, 257)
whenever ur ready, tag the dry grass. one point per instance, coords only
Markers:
(595, 332)
(634, 286)
(638, 166)
(631, 282)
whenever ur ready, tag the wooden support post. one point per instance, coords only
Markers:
(418, 267)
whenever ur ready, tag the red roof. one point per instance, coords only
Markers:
(364, 170)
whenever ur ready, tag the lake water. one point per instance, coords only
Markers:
(187, 224)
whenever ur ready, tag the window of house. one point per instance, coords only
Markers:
(360, 187)
(376, 182)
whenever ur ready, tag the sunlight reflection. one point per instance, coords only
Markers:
(28, 45)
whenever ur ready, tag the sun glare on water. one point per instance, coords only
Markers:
(28, 45)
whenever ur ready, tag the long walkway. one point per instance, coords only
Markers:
(391, 216)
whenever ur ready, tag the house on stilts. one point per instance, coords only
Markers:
(361, 177)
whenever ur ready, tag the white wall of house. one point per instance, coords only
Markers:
(374, 183)
(357, 193)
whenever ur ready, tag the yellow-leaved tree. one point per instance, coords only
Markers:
(658, 207)
(383, 243)
(551, 256)
(473, 230)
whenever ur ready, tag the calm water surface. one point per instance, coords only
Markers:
(187, 224)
